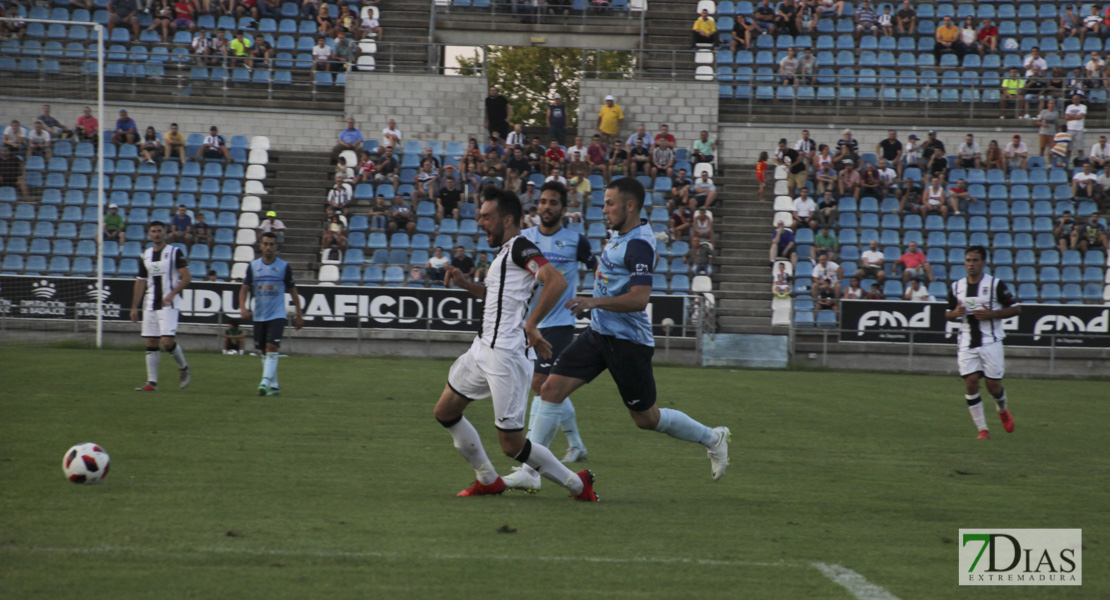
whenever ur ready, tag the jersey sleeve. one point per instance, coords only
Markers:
(639, 259)
(142, 267)
(180, 261)
(289, 283)
(1005, 297)
(248, 279)
(585, 256)
(953, 302)
(527, 256)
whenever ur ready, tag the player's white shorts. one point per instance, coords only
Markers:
(159, 323)
(505, 375)
(987, 358)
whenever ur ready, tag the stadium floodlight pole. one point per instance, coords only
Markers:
(99, 184)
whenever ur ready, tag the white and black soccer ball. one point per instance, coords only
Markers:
(85, 464)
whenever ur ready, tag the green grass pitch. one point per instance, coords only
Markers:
(345, 486)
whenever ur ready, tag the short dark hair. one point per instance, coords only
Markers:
(270, 234)
(558, 187)
(508, 203)
(629, 189)
(981, 251)
(155, 224)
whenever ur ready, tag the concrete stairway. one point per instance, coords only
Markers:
(298, 185)
(403, 48)
(742, 277)
(667, 27)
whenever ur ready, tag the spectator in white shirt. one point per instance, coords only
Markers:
(1083, 183)
(391, 136)
(871, 263)
(579, 148)
(516, 137)
(1094, 66)
(1016, 153)
(804, 210)
(917, 292)
(272, 224)
(806, 145)
(1034, 61)
(889, 177)
(321, 56)
(828, 271)
(1100, 153)
(339, 197)
(214, 147)
(371, 25)
(40, 142)
(969, 154)
(1075, 115)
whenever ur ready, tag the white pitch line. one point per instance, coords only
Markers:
(391, 555)
(856, 584)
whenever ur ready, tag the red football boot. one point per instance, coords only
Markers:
(1007, 421)
(587, 494)
(984, 434)
(481, 489)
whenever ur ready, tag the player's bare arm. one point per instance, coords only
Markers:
(244, 310)
(298, 316)
(957, 314)
(140, 288)
(635, 300)
(455, 276)
(554, 284)
(186, 279)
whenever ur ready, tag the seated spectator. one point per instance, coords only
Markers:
(869, 182)
(806, 72)
(847, 148)
(807, 16)
(934, 199)
(481, 267)
(888, 179)
(342, 170)
(1102, 188)
(1016, 153)
(388, 168)
(597, 156)
(214, 146)
(271, 224)
(125, 13)
(1013, 90)
(826, 179)
(704, 148)
(425, 181)
(184, 16)
(402, 217)
(782, 245)
(662, 160)
(639, 159)
(321, 56)
(350, 138)
(876, 293)
(905, 20)
(786, 17)
(1065, 225)
(150, 146)
(555, 158)
(853, 291)
(682, 219)
(703, 192)
(1083, 183)
(969, 36)
(912, 155)
(640, 136)
(463, 263)
(787, 66)
(702, 227)
(764, 16)
(557, 176)
(448, 201)
(680, 190)
(866, 21)
(531, 218)
(826, 297)
(339, 197)
(849, 180)
(220, 47)
(916, 292)
(437, 265)
(885, 22)
(174, 143)
(518, 163)
(1092, 25)
(700, 257)
(959, 198)
(512, 182)
(871, 263)
(827, 271)
(968, 155)
(1100, 153)
(204, 48)
(494, 166)
(805, 211)
(830, 8)
(938, 165)
(781, 286)
(126, 132)
(202, 233)
(1091, 236)
(365, 169)
(948, 40)
(239, 51)
(910, 200)
(40, 142)
(913, 264)
(87, 126)
(371, 26)
(1069, 23)
(516, 138)
(987, 39)
(617, 163)
(16, 27)
(530, 197)
(391, 136)
(115, 226)
(181, 228)
(535, 153)
(417, 275)
(346, 52)
(335, 234)
(262, 52)
(347, 23)
(994, 158)
(824, 244)
(52, 125)
(742, 33)
(929, 146)
(827, 209)
(705, 29)
(379, 214)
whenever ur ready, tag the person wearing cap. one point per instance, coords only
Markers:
(609, 120)
(1069, 23)
(214, 146)
(271, 224)
(557, 120)
(969, 153)
(911, 154)
(1016, 153)
(126, 132)
(1013, 89)
(530, 197)
(498, 113)
(705, 29)
(115, 226)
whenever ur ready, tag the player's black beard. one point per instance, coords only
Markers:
(551, 223)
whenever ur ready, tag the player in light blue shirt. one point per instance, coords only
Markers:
(620, 337)
(564, 249)
(268, 279)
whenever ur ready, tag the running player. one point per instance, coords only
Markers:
(564, 249)
(980, 303)
(498, 362)
(269, 278)
(620, 337)
(163, 273)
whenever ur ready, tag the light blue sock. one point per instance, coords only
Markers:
(676, 424)
(269, 368)
(532, 415)
(546, 423)
(569, 426)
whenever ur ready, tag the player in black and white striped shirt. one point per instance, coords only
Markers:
(980, 303)
(163, 274)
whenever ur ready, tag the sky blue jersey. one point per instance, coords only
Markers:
(268, 283)
(565, 249)
(627, 260)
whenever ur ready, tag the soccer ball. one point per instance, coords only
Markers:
(85, 464)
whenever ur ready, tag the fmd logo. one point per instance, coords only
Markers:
(1071, 324)
(892, 319)
(1021, 557)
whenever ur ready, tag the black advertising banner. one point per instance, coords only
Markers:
(1072, 325)
(324, 306)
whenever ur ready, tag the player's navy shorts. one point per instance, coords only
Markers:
(629, 364)
(268, 332)
(559, 337)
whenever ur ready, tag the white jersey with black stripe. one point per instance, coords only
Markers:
(988, 294)
(160, 270)
(509, 283)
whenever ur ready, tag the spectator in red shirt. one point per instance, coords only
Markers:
(597, 154)
(914, 264)
(988, 37)
(556, 157)
(664, 134)
(87, 126)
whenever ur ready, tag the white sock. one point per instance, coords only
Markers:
(178, 356)
(470, 446)
(1000, 400)
(679, 425)
(153, 357)
(269, 368)
(541, 459)
(975, 406)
